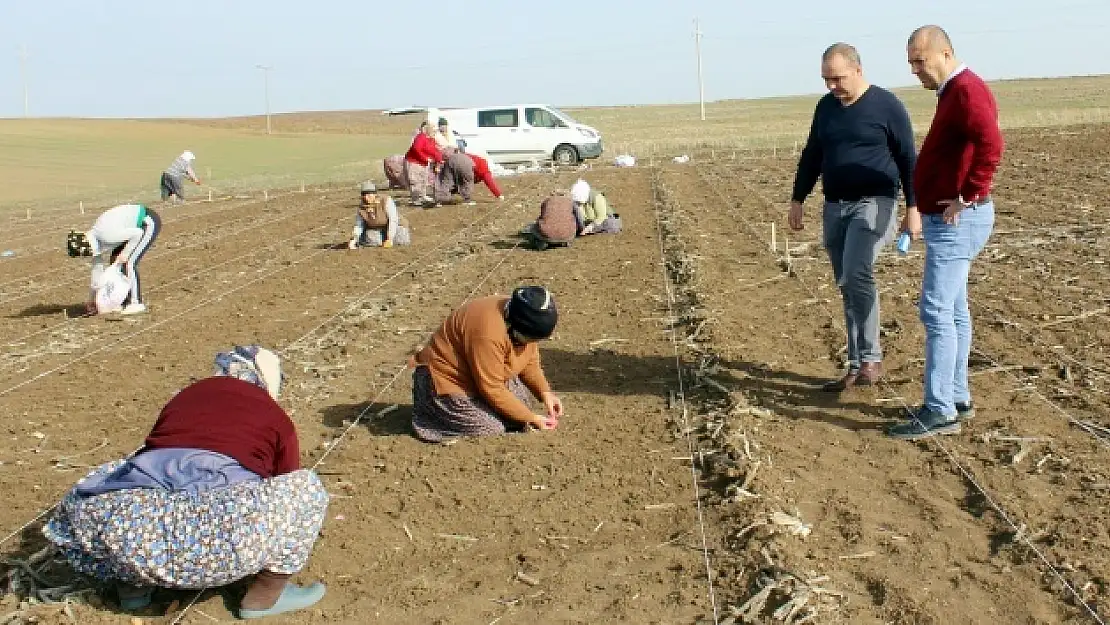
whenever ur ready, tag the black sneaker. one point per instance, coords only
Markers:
(923, 424)
(965, 410)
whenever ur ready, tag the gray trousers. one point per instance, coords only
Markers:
(854, 234)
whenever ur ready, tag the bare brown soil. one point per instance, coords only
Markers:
(602, 513)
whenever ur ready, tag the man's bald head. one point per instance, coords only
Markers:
(932, 38)
(931, 57)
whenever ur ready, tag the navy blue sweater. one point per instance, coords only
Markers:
(861, 150)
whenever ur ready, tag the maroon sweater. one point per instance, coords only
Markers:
(963, 148)
(231, 417)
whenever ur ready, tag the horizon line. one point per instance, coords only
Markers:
(561, 106)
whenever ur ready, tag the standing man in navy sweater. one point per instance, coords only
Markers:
(954, 175)
(861, 145)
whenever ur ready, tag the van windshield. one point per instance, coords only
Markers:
(567, 118)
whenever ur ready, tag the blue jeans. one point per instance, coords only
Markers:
(949, 250)
(853, 234)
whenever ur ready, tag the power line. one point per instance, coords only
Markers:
(23, 77)
(266, 85)
(701, 80)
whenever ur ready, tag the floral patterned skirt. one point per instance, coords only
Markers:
(436, 418)
(148, 537)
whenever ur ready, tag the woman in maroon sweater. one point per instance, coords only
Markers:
(418, 164)
(216, 494)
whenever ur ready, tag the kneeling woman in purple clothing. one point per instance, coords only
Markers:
(215, 495)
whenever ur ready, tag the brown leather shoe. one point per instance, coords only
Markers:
(869, 374)
(844, 383)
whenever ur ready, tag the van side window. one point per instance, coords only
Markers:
(542, 118)
(498, 118)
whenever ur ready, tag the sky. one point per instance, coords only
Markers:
(198, 58)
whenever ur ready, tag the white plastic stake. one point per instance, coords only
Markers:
(210, 195)
(266, 195)
(302, 186)
(82, 203)
(28, 212)
(774, 243)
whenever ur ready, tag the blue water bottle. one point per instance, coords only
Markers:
(904, 242)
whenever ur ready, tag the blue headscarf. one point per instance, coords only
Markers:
(254, 364)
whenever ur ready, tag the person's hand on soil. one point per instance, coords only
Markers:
(796, 216)
(553, 405)
(541, 422)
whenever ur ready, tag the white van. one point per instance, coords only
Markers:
(520, 133)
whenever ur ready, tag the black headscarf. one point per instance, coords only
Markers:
(532, 312)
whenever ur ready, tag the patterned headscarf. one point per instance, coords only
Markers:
(254, 364)
(78, 244)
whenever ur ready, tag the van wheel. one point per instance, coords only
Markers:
(565, 155)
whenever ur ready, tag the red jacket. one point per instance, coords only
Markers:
(422, 150)
(231, 417)
(964, 146)
(484, 175)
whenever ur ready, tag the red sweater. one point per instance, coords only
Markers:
(231, 417)
(963, 148)
(484, 175)
(423, 149)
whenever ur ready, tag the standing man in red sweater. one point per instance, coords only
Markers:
(953, 179)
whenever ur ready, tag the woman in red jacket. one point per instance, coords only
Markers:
(215, 495)
(418, 164)
(483, 174)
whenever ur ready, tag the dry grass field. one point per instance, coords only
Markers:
(699, 476)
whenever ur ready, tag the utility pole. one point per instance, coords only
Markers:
(266, 80)
(701, 82)
(23, 76)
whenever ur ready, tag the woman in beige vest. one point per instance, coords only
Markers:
(377, 222)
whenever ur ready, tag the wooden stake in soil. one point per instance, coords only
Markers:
(527, 579)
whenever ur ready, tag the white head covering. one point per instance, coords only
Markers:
(189, 156)
(580, 192)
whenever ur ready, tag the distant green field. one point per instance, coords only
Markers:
(764, 123)
(99, 161)
(53, 161)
